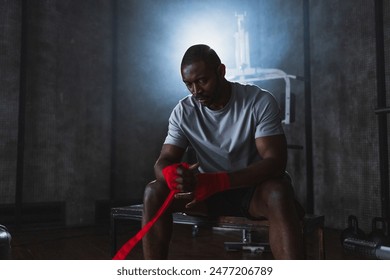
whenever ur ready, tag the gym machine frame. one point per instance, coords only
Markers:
(354, 243)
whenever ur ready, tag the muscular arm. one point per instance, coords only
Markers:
(273, 151)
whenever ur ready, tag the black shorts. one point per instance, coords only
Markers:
(231, 203)
(234, 202)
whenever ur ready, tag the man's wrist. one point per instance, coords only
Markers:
(211, 183)
(170, 174)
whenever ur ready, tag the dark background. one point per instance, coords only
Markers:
(86, 88)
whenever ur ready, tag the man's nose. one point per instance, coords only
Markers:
(196, 89)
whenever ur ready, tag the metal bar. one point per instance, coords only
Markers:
(381, 102)
(308, 113)
(114, 90)
(21, 116)
(382, 110)
(295, 147)
(369, 249)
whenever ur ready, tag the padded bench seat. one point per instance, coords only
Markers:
(312, 224)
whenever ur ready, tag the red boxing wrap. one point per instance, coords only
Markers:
(170, 174)
(211, 183)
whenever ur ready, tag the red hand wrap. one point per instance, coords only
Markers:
(211, 183)
(170, 174)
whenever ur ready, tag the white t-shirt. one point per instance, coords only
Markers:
(224, 140)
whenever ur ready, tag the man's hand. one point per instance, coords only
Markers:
(189, 184)
(186, 183)
(188, 196)
(186, 180)
(206, 184)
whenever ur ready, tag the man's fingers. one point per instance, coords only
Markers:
(179, 170)
(190, 204)
(179, 180)
(194, 166)
(184, 195)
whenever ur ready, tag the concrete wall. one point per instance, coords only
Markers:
(344, 98)
(67, 103)
(10, 18)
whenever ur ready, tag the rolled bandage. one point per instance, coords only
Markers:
(211, 183)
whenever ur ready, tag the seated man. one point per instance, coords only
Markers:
(241, 150)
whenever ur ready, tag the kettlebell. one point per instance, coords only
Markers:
(379, 233)
(353, 230)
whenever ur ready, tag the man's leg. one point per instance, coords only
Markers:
(156, 241)
(274, 200)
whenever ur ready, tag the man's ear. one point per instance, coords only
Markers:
(222, 70)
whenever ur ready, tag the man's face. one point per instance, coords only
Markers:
(203, 82)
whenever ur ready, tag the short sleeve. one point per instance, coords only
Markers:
(268, 116)
(175, 134)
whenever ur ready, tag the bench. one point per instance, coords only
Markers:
(313, 225)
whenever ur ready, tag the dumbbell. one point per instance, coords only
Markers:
(380, 232)
(353, 230)
(366, 248)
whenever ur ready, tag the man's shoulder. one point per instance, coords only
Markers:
(251, 91)
(184, 106)
(185, 103)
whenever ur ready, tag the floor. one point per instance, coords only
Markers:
(93, 243)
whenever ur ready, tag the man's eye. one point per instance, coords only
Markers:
(202, 81)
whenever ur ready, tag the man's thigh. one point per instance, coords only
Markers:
(276, 187)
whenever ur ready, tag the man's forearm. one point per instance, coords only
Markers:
(159, 166)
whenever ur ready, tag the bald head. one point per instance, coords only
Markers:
(201, 52)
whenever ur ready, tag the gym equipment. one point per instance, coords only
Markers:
(247, 244)
(369, 249)
(379, 233)
(5, 243)
(353, 230)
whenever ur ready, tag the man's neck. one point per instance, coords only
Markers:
(226, 92)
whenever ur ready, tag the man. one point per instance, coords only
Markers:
(241, 149)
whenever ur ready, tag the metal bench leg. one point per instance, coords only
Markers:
(113, 236)
(247, 244)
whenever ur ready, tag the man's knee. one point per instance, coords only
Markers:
(277, 191)
(272, 194)
(155, 192)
